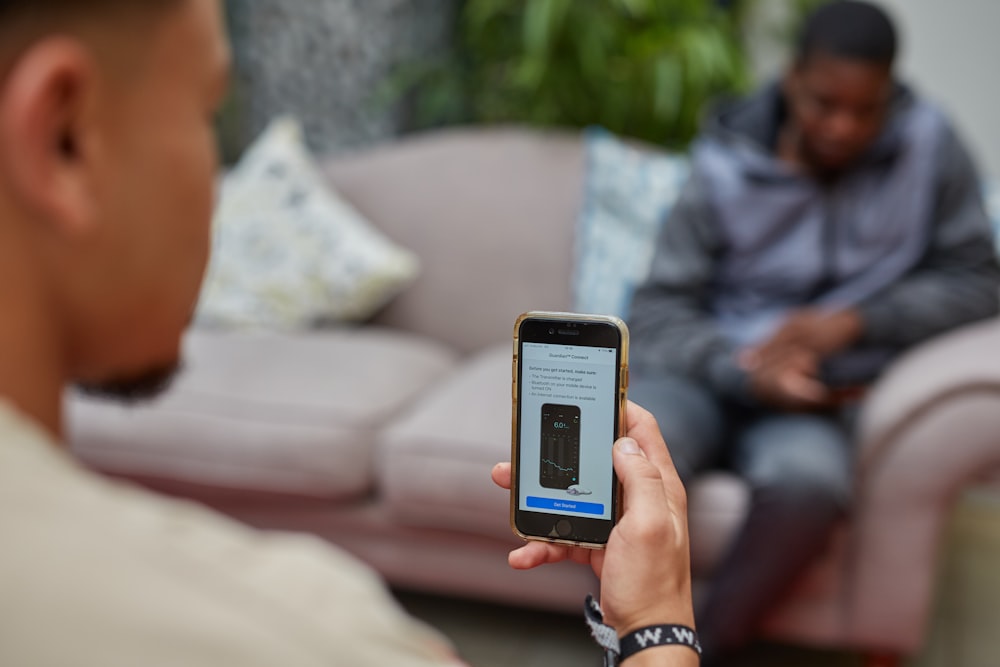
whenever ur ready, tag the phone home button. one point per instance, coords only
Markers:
(564, 528)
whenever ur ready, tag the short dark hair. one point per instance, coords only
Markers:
(54, 7)
(23, 22)
(848, 29)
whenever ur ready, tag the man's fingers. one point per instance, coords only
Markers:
(749, 359)
(647, 495)
(644, 430)
(804, 388)
(501, 475)
(534, 554)
(642, 427)
(646, 484)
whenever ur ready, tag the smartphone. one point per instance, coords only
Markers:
(570, 381)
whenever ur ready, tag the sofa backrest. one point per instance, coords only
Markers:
(491, 214)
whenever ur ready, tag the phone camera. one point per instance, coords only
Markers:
(551, 331)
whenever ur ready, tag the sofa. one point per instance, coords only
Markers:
(379, 436)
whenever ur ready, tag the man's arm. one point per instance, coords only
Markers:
(645, 570)
(673, 331)
(671, 327)
(957, 280)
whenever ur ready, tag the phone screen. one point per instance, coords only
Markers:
(568, 398)
(560, 446)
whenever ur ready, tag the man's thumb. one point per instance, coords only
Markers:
(629, 446)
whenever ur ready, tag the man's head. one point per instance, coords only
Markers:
(840, 84)
(107, 162)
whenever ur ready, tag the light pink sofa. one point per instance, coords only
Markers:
(381, 437)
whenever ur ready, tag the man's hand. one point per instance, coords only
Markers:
(821, 332)
(784, 370)
(789, 382)
(645, 569)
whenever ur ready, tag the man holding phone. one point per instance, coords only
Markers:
(831, 221)
(107, 163)
(645, 568)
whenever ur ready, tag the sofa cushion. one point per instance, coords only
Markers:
(292, 413)
(433, 464)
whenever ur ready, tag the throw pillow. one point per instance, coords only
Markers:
(629, 192)
(288, 251)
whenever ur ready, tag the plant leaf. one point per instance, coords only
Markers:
(542, 19)
(668, 87)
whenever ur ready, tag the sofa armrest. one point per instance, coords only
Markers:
(964, 361)
(931, 428)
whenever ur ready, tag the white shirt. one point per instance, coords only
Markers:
(99, 573)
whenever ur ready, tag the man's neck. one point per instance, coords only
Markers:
(31, 357)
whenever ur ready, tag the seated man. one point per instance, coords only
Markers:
(830, 222)
(106, 170)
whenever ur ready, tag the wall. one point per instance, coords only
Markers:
(324, 61)
(951, 52)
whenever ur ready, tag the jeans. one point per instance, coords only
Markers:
(798, 467)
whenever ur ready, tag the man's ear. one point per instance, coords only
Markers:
(48, 110)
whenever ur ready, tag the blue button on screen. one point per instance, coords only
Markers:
(564, 505)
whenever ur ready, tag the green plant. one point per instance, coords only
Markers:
(641, 68)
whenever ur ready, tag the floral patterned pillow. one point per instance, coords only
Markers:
(288, 252)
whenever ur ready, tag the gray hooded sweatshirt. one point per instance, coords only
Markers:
(902, 236)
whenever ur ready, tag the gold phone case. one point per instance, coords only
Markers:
(622, 401)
